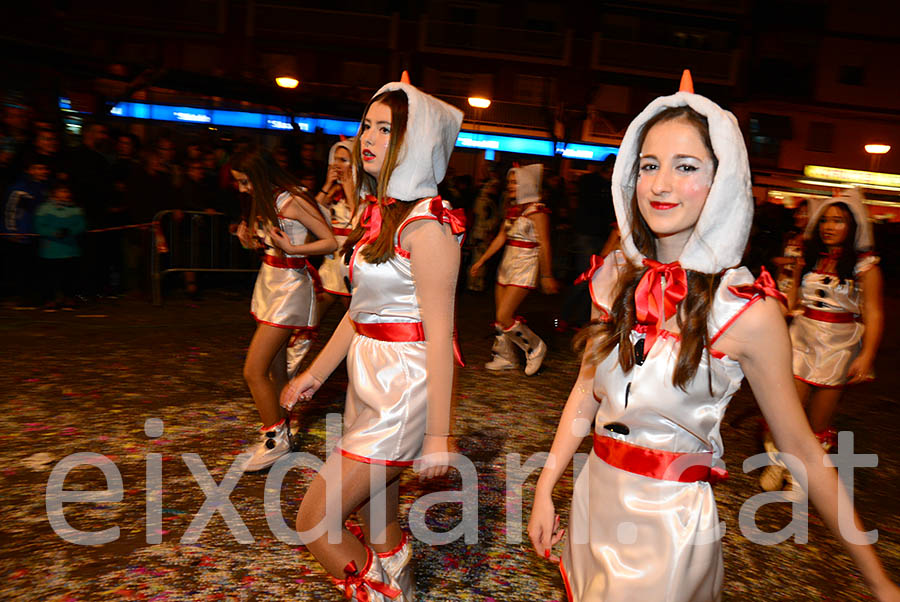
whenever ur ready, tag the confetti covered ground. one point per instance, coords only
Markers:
(86, 381)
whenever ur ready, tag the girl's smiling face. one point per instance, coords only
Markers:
(375, 138)
(675, 174)
(833, 226)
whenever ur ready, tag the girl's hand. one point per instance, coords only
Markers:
(280, 240)
(243, 234)
(860, 369)
(549, 285)
(543, 528)
(476, 267)
(301, 387)
(435, 458)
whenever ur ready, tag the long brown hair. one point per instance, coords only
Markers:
(393, 214)
(267, 179)
(600, 338)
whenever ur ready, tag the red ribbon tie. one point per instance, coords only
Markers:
(654, 303)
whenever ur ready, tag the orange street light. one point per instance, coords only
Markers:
(877, 149)
(479, 102)
(287, 82)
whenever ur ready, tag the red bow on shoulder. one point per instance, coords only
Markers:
(371, 218)
(653, 303)
(514, 212)
(456, 218)
(763, 286)
(596, 264)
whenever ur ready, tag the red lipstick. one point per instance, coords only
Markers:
(662, 206)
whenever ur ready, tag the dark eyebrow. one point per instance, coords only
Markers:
(380, 122)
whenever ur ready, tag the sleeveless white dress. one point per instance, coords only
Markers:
(520, 266)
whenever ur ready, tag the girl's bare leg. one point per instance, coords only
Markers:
(263, 376)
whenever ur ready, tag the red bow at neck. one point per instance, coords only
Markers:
(371, 218)
(653, 303)
(362, 585)
(455, 218)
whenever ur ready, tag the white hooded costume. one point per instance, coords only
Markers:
(520, 266)
(333, 271)
(827, 336)
(637, 531)
(386, 397)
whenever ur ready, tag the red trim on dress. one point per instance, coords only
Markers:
(731, 321)
(286, 263)
(530, 288)
(378, 461)
(565, 578)
(658, 464)
(341, 293)
(305, 327)
(832, 317)
(522, 244)
(809, 382)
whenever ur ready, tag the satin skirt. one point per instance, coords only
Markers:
(519, 267)
(332, 272)
(823, 351)
(284, 297)
(387, 401)
(635, 538)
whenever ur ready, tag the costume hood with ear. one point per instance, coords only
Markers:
(721, 232)
(853, 198)
(432, 126)
(346, 144)
(528, 183)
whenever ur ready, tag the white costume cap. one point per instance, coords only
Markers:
(853, 197)
(346, 144)
(721, 232)
(528, 183)
(431, 129)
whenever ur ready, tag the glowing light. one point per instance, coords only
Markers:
(853, 176)
(287, 82)
(877, 149)
(479, 102)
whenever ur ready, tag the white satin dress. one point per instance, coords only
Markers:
(520, 265)
(387, 400)
(333, 270)
(284, 294)
(823, 350)
(639, 538)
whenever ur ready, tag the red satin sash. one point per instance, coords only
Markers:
(295, 263)
(524, 244)
(401, 332)
(839, 317)
(658, 464)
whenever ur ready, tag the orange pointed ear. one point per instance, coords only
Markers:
(516, 165)
(343, 138)
(687, 83)
(404, 77)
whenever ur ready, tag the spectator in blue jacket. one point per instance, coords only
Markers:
(60, 225)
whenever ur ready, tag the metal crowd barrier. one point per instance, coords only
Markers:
(197, 241)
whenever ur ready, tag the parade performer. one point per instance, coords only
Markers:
(676, 328)
(397, 338)
(840, 318)
(338, 197)
(284, 301)
(525, 240)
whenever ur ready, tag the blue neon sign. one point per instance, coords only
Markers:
(490, 143)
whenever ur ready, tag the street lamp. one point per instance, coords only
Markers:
(875, 151)
(287, 82)
(479, 102)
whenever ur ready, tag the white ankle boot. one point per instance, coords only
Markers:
(504, 352)
(371, 582)
(399, 567)
(535, 349)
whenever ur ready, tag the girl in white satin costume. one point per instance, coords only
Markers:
(676, 329)
(338, 197)
(284, 301)
(525, 240)
(840, 316)
(397, 338)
